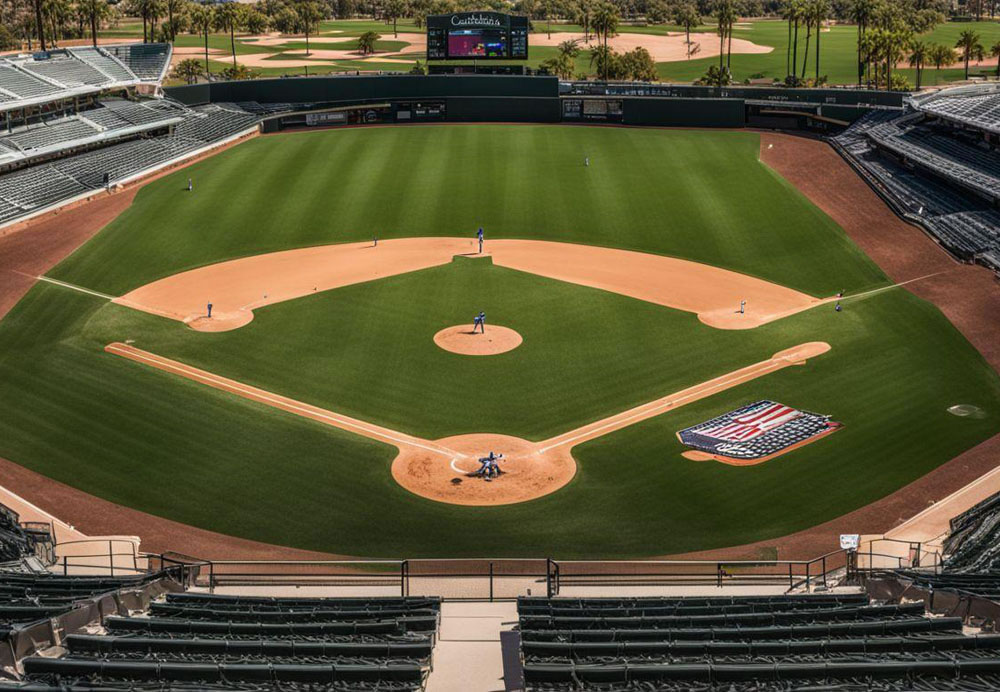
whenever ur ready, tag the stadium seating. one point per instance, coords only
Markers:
(920, 165)
(200, 641)
(15, 543)
(106, 63)
(67, 71)
(25, 598)
(148, 61)
(22, 85)
(37, 187)
(976, 106)
(823, 642)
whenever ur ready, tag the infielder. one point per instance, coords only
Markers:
(480, 236)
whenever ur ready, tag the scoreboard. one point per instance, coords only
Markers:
(477, 36)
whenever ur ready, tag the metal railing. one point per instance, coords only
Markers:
(498, 578)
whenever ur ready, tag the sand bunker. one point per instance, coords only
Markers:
(669, 48)
(461, 339)
(237, 287)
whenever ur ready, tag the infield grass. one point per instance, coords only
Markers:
(156, 442)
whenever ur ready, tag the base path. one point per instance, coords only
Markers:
(236, 287)
(443, 470)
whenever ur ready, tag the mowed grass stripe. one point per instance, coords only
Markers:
(152, 441)
(697, 195)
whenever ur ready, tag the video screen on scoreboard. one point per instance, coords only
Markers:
(477, 43)
(477, 36)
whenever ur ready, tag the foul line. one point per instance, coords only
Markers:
(74, 287)
(889, 288)
(750, 372)
(284, 403)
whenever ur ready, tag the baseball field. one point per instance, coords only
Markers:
(286, 424)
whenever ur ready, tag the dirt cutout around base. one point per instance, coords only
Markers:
(463, 340)
(443, 470)
(237, 287)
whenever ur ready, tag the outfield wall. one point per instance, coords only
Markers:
(684, 112)
(502, 98)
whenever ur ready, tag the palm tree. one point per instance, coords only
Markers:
(968, 43)
(173, 7)
(820, 12)
(995, 52)
(95, 11)
(725, 16)
(787, 13)
(942, 55)
(605, 21)
(583, 15)
(797, 11)
(919, 54)
(228, 18)
(309, 16)
(366, 42)
(395, 10)
(807, 17)
(188, 70)
(604, 57)
(562, 64)
(861, 14)
(687, 16)
(202, 20)
(39, 23)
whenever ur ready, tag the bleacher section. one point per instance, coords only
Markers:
(739, 644)
(973, 545)
(26, 598)
(26, 81)
(23, 86)
(148, 61)
(14, 542)
(40, 186)
(105, 62)
(921, 166)
(200, 641)
(977, 106)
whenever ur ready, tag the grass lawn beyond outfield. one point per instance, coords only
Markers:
(175, 448)
(838, 50)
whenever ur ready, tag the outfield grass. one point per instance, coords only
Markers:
(165, 445)
(688, 194)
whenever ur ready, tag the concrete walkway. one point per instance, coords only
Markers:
(477, 651)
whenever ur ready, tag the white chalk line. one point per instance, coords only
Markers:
(74, 287)
(889, 288)
(724, 382)
(278, 402)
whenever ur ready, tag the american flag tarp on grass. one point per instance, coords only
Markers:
(756, 430)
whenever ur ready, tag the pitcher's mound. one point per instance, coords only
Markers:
(220, 321)
(461, 339)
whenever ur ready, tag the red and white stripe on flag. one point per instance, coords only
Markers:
(752, 424)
